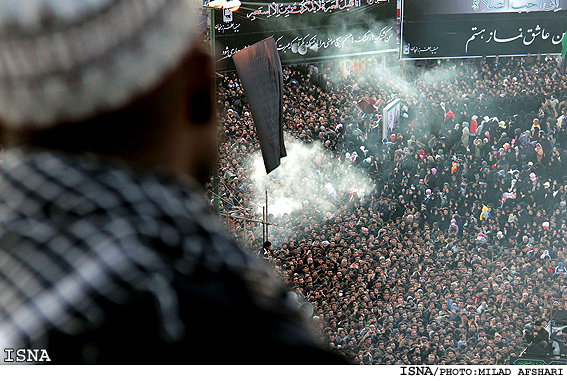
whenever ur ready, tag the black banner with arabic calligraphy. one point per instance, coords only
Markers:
(484, 28)
(310, 30)
(440, 7)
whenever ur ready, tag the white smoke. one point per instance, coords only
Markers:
(442, 77)
(309, 177)
(394, 80)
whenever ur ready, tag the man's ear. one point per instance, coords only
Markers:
(200, 74)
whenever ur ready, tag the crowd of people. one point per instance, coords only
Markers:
(458, 244)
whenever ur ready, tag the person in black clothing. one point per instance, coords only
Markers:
(265, 252)
(558, 336)
(538, 338)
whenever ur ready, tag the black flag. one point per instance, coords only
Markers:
(260, 71)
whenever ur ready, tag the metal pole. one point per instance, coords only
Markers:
(263, 224)
(267, 222)
(248, 219)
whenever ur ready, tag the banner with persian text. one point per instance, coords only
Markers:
(476, 28)
(310, 30)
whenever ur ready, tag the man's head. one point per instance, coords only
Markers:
(126, 79)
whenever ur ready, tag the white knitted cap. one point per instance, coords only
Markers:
(68, 60)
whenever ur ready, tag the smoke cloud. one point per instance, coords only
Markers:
(309, 177)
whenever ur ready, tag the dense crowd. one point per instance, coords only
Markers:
(460, 238)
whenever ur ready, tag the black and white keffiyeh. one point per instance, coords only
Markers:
(80, 237)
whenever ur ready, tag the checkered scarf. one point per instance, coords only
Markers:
(76, 231)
